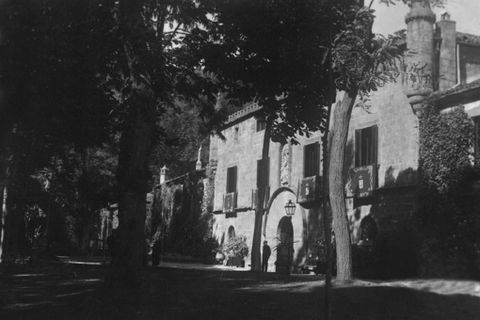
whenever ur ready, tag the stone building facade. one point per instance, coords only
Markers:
(237, 159)
(442, 68)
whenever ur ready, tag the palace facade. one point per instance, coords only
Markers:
(382, 150)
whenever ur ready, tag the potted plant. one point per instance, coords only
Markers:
(235, 250)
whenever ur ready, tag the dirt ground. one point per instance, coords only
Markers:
(78, 292)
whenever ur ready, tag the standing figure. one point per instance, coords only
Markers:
(265, 256)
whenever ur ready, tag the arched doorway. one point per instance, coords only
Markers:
(230, 233)
(284, 246)
(368, 230)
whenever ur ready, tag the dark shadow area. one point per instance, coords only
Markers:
(392, 251)
(195, 294)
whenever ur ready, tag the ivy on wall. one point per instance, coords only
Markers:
(183, 221)
(447, 213)
(446, 142)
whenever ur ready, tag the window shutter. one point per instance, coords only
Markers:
(260, 168)
(267, 172)
(231, 179)
(366, 146)
(374, 145)
(311, 160)
(259, 172)
(358, 148)
(305, 161)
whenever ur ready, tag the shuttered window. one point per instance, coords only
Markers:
(311, 160)
(261, 124)
(259, 172)
(232, 179)
(366, 146)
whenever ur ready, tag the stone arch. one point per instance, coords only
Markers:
(274, 214)
(284, 245)
(270, 201)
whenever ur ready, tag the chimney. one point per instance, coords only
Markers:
(419, 59)
(447, 61)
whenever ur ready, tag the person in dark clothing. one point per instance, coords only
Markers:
(265, 256)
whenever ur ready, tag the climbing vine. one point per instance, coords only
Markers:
(183, 223)
(447, 203)
(446, 142)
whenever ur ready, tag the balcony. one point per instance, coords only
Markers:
(309, 192)
(362, 182)
(230, 204)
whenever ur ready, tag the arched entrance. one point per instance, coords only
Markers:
(230, 233)
(284, 246)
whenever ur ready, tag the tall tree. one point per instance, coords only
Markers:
(80, 70)
(52, 98)
(275, 52)
(363, 62)
(150, 68)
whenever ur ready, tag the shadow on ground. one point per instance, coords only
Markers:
(74, 292)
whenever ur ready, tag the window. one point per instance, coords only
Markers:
(311, 159)
(476, 146)
(232, 179)
(366, 146)
(261, 124)
(236, 133)
(259, 171)
(469, 63)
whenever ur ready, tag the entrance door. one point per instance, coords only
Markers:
(284, 246)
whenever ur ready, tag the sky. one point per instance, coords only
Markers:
(392, 18)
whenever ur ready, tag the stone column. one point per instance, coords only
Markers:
(419, 59)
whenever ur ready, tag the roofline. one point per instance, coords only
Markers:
(250, 109)
(468, 39)
(460, 94)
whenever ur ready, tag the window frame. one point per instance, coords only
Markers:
(261, 124)
(267, 175)
(229, 182)
(365, 151)
(311, 165)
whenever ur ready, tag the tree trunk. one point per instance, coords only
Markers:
(3, 193)
(327, 222)
(262, 186)
(339, 134)
(133, 176)
(15, 243)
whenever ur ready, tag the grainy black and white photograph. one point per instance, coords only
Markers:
(240, 159)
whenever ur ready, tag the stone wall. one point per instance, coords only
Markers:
(398, 153)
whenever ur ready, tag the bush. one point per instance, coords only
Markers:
(447, 213)
(235, 250)
(209, 250)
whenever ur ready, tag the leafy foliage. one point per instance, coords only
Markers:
(447, 220)
(236, 247)
(286, 55)
(445, 146)
(179, 218)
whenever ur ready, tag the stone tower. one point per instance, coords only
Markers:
(419, 60)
